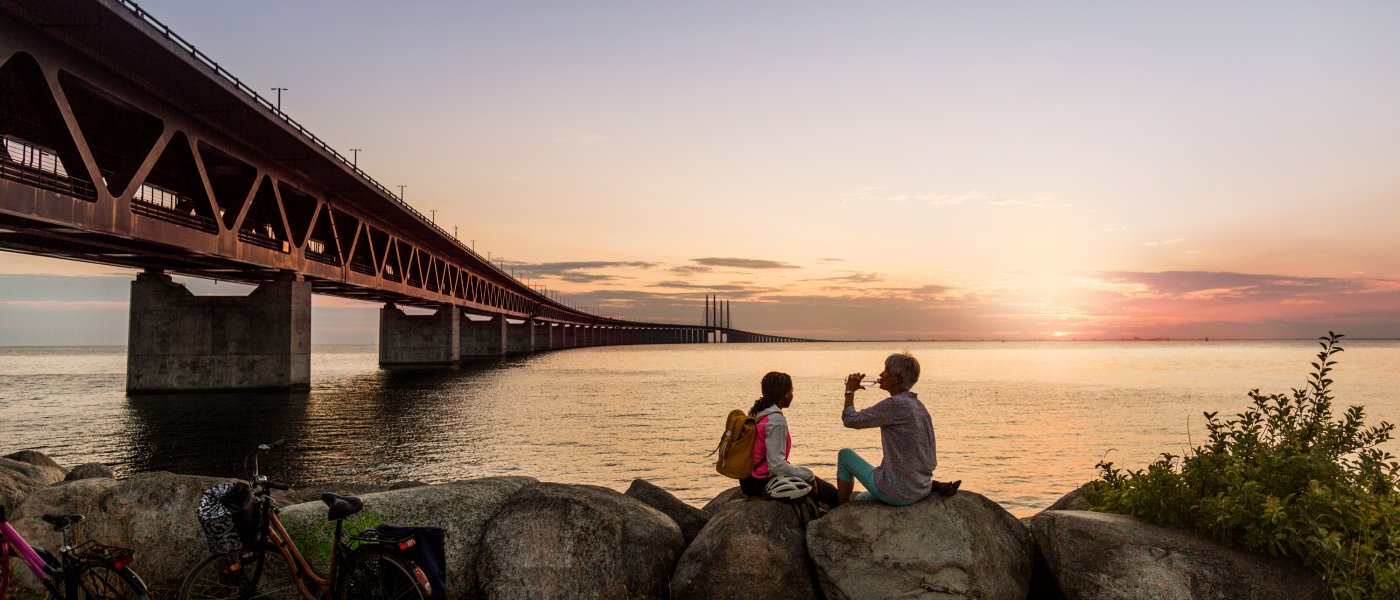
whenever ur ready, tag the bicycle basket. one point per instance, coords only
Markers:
(229, 516)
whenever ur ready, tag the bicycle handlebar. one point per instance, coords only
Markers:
(277, 485)
(266, 447)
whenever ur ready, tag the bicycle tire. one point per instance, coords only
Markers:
(216, 578)
(101, 582)
(374, 573)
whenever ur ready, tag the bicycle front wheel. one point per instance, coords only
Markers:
(234, 576)
(372, 573)
(101, 582)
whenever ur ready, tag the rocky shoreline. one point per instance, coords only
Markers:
(517, 537)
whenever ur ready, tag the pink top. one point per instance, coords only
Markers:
(760, 449)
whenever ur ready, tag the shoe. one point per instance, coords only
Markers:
(946, 489)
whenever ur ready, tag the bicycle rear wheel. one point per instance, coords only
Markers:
(101, 582)
(231, 576)
(372, 573)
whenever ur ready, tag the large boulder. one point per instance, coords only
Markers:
(34, 457)
(90, 471)
(964, 546)
(14, 486)
(1104, 556)
(751, 548)
(690, 519)
(312, 493)
(576, 541)
(1073, 500)
(722, 499)
(152, 513)
(43, 474)
(462, 509)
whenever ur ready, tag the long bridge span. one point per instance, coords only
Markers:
(123, 144)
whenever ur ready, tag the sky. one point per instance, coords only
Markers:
(896, 170)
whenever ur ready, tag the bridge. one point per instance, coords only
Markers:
(125, 145)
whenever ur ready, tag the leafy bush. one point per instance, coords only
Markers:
(1286, 478)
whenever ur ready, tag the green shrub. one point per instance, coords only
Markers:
(1286, 478)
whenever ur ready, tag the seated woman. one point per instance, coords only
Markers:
(774, 443)
(905, 474)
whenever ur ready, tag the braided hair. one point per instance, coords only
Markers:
(776, 387)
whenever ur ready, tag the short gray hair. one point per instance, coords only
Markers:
(905, 366)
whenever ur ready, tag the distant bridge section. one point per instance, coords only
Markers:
(123, 144)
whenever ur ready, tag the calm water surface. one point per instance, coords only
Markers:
(1021, 423)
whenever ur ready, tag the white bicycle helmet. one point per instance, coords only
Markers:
(788, 487)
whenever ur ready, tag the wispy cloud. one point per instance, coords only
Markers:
(1164, 242)
(690, 269)
(697, 286)
(577, 271)
(743, 263)
(851, 278)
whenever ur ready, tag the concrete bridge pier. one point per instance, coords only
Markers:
(482, 339)
(179, 342)
(541, 334)
(520, 337)
(419, 340)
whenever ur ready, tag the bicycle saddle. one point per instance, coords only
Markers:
(341, 506)
(61, 522)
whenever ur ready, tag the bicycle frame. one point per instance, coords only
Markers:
(12, 539)
(300, 568)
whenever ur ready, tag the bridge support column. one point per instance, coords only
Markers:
(179, 342)
(484, 338)
(520, 337)
(419, 340)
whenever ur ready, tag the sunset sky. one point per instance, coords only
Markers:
(1005, 170)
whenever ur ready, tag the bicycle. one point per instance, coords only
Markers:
(87, 572)
(362, 566)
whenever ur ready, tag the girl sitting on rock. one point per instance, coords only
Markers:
(774, 443)
(905, 474)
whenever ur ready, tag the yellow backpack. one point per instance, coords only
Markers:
(735, 447)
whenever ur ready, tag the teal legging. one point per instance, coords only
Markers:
(850, 465)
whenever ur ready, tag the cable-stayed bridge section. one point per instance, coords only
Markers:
(123, 144)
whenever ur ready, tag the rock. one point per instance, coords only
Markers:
(152, 513)
(1097, 555)
(14, 486)
(461, 508)
(690, 519)
(576, 541)
(722, 499)
(312, 493)
(90, 471)
(36, 458)
(751, 548)
(964, 546)
(43, 474)
(1072, 501)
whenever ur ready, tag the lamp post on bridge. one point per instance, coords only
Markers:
(401, 193)
(279, 91)
(355, 161)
